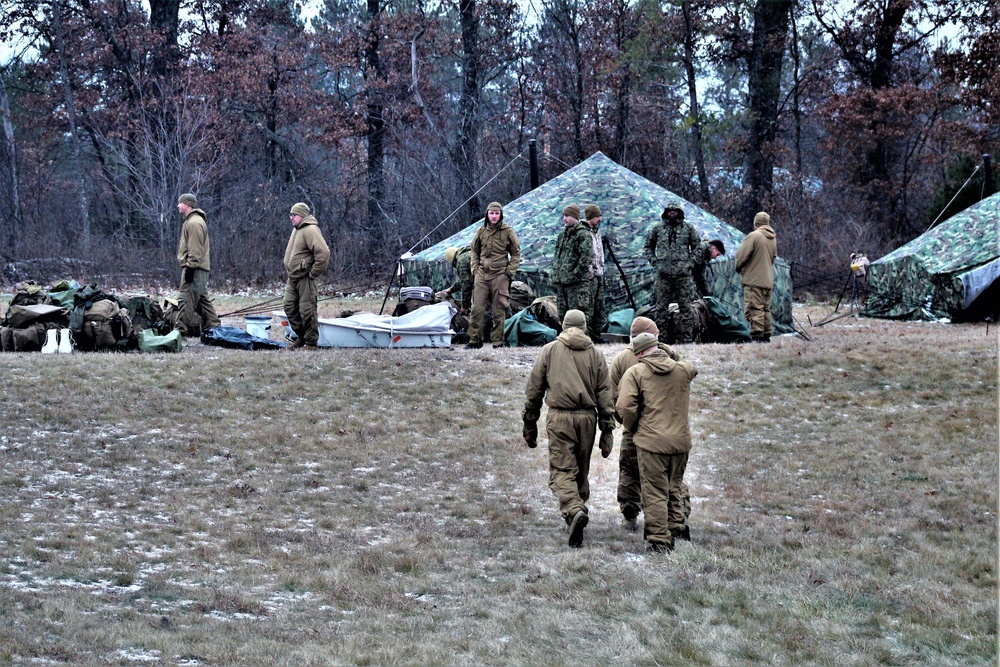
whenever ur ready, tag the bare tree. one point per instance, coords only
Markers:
(10, 209)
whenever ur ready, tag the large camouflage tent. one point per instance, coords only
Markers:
(949, 272)
(630, 205)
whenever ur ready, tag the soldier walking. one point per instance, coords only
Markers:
(653, 403)
(571, 376)
(673, 249)
(195, 257)
(629, 489)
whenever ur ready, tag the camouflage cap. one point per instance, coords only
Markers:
(672, 206)
(574, 318)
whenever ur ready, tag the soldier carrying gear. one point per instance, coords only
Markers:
(571, 376)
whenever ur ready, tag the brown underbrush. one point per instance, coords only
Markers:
(372, 507)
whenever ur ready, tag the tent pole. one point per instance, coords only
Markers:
(611, 254)
(396, 271)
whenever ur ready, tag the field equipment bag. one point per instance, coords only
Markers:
(521, 296)
(147, 313)
(105, 326)
(149, 341)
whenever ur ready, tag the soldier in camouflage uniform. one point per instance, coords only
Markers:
(496, 254)
(703, 276)
(461, 260)
(673, 248)
(571, 266)
(597, 314)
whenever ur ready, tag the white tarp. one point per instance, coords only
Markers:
(978, 279)
(435, 318)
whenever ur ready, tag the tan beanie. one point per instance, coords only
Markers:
(572, 211)
(495, 206)
(643, 341)
(300, 209)
(449, 255)
(189, 199)
(643, 325)
(574, 318)
(592, 211)
(761, 219)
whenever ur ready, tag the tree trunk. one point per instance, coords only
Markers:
(76, 168)
(689, 57)
(466, 163)
(764, 82)
(10, 211)
(375, 126)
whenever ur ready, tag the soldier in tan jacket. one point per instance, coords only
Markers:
(754, 262)
(653, 403)
(195, 309)
(572, 378)
(496, 254)
(629, 490)
(306, 257)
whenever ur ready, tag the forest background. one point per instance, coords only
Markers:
(853, 123)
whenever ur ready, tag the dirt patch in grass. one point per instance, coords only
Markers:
(361, 507)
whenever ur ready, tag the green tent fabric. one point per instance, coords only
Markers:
(523, 330)
(631, 205)
(620, 322)
(722, 326)
(949, 272)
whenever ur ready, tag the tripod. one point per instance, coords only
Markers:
(856, 288)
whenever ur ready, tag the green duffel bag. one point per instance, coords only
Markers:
(149, 341)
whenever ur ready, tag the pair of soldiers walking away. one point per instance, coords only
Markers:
(572, 378)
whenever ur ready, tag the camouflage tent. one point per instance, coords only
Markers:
(949, 272)
(631, 205)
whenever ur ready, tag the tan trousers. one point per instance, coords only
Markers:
(757, 308)
(193, 304)
(300, 309)
(492, 294)
(662, 506)
(571, 441)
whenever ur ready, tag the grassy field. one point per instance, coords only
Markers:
(353, 507)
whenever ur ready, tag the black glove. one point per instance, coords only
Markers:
(607, 442)
(530, 434)
(188, 274)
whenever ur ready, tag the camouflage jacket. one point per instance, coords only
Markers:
(674, 249)
(569, 374)
(495, 251)
(463, 267)
(574, 255)
(194, 250)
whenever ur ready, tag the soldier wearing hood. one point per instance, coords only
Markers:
(496, 254)
(629, 490)
(673, 249)
(653, 401)
(306, 257)
(755, 262)
(571, 376)
(195, 258)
